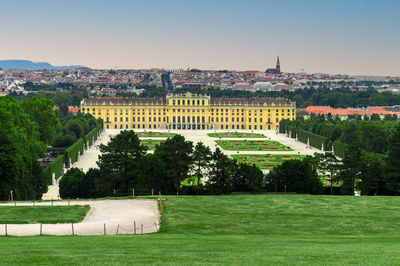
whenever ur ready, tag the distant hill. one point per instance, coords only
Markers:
(26, 64)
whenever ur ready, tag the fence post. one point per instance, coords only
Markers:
(40, 229)
(105, 231)
(117, 230)
(141, 229)
(133, 192)
(5, 228)
(134, 227)
(72, 227)
(152, 192)
(155, 226)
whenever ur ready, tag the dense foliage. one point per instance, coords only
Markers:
(26, 128)
(370, 135)
(124, 165)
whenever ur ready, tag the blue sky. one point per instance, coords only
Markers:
(354, 37)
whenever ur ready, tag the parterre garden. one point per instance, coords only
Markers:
(151, 134)
(252, 145)
(236, 135)
(265, 161)
(151, 143)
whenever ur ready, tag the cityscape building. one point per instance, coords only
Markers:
(190, 111)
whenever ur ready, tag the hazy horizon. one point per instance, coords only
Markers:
(337, 37)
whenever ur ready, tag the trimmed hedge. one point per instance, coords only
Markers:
(92, 135)
(339, 148)
(315, 140)
(56, 167)
(72, 152)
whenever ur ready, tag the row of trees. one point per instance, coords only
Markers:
(370, 173)
(124, 165)
(370, 134)
(27, 128)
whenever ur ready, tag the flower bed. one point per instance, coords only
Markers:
(265, 161)
(151, 143)
(235, 135)
(252, 145)
(152, 134)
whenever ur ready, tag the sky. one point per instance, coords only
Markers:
(358, 37)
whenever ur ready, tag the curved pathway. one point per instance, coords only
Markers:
(112, 215)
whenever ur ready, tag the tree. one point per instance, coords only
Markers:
(371, 176)
(202, 157)
(72, 184)
(176, 154)
(392, 164)
(328, 165)
(41, 111)
(120, 162)
(351, 168)
(64, 109)
(295, 176)
(220, 176)
(247, 178)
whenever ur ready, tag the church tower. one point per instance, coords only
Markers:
(278, 66)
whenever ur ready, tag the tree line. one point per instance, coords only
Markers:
(371, 133)
(27, 129)
(124, 165)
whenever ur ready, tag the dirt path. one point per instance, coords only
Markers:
(114, 214)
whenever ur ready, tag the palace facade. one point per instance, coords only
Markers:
(189, 111)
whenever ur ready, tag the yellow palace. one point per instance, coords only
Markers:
(190, 111)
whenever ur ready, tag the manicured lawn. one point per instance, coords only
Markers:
(265, 161)
(252, 145)
(155, 134)
(235, 135)
(237, 230)
(42, 214)
(151, 143)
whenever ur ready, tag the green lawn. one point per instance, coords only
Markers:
(151, 143)
(155, 134)
(237, 230)
(265, 161)
(235, 135)
(252, 145)
(42, 214)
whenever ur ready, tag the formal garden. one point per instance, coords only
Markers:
(252, 145)
(151, 143)
(265, 161)
(151, 134)
(236, 135)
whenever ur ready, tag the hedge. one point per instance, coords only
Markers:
(315, 139)
(339, 148)
(56, 167)
(72, 152)
(92, 135)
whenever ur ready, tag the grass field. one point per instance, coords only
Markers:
(42, 214)
(237, 230)
(235, 135)
(151, 143)
(155, 134)
(252, 145)
(265, 161)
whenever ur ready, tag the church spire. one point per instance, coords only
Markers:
(278, 65)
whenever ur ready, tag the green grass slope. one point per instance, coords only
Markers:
(42, 214)
(237, 230)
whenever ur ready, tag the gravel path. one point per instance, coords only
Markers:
(114, 214)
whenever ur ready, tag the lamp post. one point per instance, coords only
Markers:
(11, 193)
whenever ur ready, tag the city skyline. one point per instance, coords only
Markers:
(356, 38)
